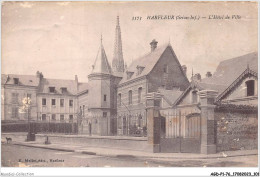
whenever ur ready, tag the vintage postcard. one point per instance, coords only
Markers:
(129, 84)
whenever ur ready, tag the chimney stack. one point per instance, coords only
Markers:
(208, 74)
(39, 74)
(184, 68)
(153, 45)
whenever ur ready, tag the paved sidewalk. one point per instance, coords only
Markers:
(103, 151)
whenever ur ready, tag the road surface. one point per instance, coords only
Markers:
(15, 155)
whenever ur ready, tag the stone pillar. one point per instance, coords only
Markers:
(153, 121)
(208, 144)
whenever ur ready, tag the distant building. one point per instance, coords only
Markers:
(15, 89)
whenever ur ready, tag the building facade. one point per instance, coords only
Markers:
(114, 101)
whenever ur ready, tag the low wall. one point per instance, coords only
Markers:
(236, 131)
(130, 143)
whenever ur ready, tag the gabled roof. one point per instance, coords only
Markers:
(71, 86)
(148, 61)
(170, 95)
(246, 73)
(200, 86)
(227, 74)
(229, 70)
(101, 64)
(24, 80)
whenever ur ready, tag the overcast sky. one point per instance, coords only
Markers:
(61, 39)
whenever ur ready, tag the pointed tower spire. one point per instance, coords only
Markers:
(118, 60)
(101, 64)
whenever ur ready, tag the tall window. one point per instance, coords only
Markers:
(165, 68)
(15, 97)
(53, 117)
(62, 117)
(71, 118)
(130, 97)
(14, 112)
(61, 102)
(194, 96)
(53, 102)
(139, 95)
(250, 87)
(105, 97)
(44, 101)
(29, 95)
(139, 120)
(119, 99)
(104, 114)
(43, 117)
(71, 103)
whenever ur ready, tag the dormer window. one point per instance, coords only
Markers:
(250, 85)
(63, 90)
(16, 81)
(139, 69)
(129, 74)
(52, 89)
(194, 96)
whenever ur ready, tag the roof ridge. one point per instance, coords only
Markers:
(59, 79)
(226, 60)
(19, 74)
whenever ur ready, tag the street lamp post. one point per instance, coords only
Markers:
(30, 135)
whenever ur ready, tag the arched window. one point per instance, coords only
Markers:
(130, 97)
(139, 94)
(119, 99)
(250, 85)
(194, 96)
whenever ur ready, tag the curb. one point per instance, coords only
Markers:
(43, 147)
(127, 155)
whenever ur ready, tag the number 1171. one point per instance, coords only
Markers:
(137, 18)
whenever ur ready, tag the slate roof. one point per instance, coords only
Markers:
(229, 70)
(201, 86)
(71, 86)
(248, 72)
(83, 87)
(148, 61)
(24, 80)
(101, 64)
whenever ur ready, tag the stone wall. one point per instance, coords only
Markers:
(236, 130)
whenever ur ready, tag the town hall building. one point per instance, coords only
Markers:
(114, 101)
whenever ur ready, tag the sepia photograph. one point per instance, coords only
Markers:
(129, 84)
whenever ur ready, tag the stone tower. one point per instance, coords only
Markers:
(118, 60)
(100, 96)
